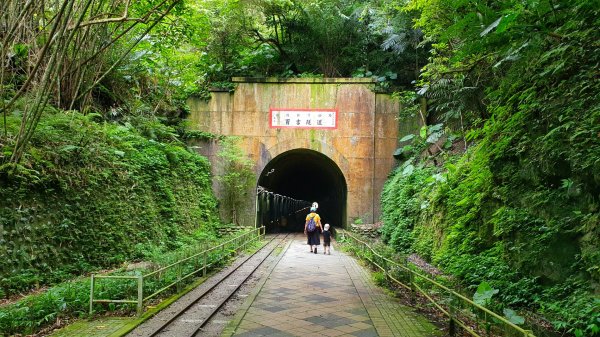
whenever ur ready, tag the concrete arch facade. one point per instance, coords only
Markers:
(305, 143)
(303, 174)
(361, 144)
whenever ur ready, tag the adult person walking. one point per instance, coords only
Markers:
(313, 228)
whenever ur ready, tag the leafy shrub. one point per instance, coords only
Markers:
(93, 195)
(71, 299)
(401, 205)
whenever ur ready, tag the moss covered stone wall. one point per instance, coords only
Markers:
(91, 195)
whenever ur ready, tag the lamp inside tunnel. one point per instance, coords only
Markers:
(301, 175)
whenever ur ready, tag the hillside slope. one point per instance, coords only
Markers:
(91, 195)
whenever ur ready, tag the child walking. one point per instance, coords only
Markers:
(326, 240)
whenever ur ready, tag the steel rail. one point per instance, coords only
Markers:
(158, 330)
(224, 301)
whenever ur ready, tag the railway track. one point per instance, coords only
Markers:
(189, 320)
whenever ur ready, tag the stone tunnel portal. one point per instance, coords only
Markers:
(303, 174)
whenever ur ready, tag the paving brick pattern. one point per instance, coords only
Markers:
(310, 294)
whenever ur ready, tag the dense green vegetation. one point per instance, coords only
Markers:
(69, 300)
(90, 195)
(521, 208)
(93, 166)
(317, 38)
(237, 180)
(502, 185)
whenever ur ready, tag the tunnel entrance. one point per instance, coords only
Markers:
(292, 181)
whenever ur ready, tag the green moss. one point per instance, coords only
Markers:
(319, 97)
(97, 195)
(315, 144)
(485, 222)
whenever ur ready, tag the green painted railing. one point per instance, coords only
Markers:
(460, 310)
(184, 269)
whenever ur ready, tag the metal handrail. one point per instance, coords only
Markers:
(238, 242)
(415, 287)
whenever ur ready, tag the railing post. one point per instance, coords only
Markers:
(178, 285)
(140, 299)
(196, 269)
(204, 260)
(411, 282)
(488, 325)
(451, 323)
(91, 294)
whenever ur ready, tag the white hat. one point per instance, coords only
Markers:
(326, 226)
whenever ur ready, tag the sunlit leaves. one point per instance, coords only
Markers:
(484, 294)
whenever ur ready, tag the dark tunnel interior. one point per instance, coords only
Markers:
(302, 174)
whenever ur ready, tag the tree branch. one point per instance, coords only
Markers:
(167, 11)
(121, 34)
(272, 42)
(47, 45)
(469, 68)
(123, 18)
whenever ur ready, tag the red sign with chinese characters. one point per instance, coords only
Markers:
(303, 118)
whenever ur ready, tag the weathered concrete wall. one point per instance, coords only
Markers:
(362, 145)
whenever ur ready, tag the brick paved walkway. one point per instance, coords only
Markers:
(323, 295)
(304, 295)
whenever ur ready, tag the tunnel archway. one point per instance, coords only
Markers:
(303, 174)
